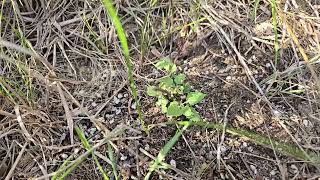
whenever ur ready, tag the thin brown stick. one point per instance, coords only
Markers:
(21, 124)
(13, 167)
(67, 111)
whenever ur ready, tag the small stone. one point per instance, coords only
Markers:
(97, 136)
(228, 78)
(211, 155)
(98, 95)
(76, 150)
(123, 158)
(81, 92)
(64, 156)
(147, 147)
(306, 123)
(134, 105)
(173, 163)
(273, 172)
(118, 111)
(120, 95)
(125, 95)
(93, 104)
(294, 168)
(244, 144)
(92, 130)
(253, 168)
(268, 65)
(116, 100)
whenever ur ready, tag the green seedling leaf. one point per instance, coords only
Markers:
(151, 91)
(172, 68)
(184, 88)
(162, 102)
(167, 81)
(165, 150)
(164, 62)
(188, 111)
(175, 109)
(195, 97)
(167, 65)
(178, 79)
(196, 117)
(191, 114)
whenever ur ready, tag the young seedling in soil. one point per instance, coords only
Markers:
(176, 101)
(175, 97)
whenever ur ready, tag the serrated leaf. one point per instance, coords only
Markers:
(175, 109)
(178, 79)
(195, 97)
(151, 91)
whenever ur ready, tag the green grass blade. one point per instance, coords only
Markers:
(113, 163)
(61, 168)
(165, 150)
(283, 148)
(125, 50)
(255, 9)
(87, 146)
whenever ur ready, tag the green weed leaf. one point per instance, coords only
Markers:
(165, 62)
(167, 65)
(167, 81)
(162, 102)
(178, 79)
(151, 91)
(195, 97)
(191, 114)
(175, 109)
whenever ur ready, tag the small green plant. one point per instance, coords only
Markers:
(175, 97)
(176, 100)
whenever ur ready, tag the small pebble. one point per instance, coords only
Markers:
(123, 158)
(116, 100)
(98, 95)
(244, 144)
(97, 136)
(268, 65)
(64, 156)
(93, 104)
(294, 168)
(125, 95)
(173, 163)
(76, 150)
(134, 105)
(147, 147)
(81, 92)
(306, 123)
(253, 168)
(273, 172)
(118, 111)
(228, 78)
(92, 130)
(120, 95)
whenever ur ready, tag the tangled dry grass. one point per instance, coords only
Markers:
(61, 66)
